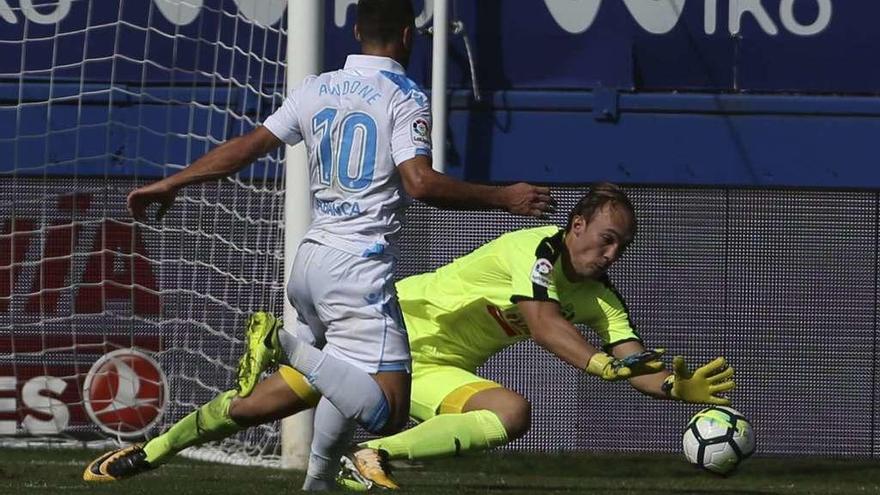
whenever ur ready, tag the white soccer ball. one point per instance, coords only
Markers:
(717, 439)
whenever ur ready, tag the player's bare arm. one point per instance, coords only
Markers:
(425, 184)
(553, 332)
(223, 161)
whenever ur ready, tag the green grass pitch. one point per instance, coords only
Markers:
(24, 471)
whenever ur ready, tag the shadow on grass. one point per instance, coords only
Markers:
(633, 467)
(818, 468)
(563, 465)
(489, 488)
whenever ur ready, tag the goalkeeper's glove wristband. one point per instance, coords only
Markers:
(668, 386)
(645, 363)
(607, 367)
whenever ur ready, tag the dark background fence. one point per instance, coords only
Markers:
(781, 282)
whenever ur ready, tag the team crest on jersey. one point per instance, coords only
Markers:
(541, 272)
(421, 132)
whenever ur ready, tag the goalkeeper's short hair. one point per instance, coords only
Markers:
(601, 194)
(381, 21)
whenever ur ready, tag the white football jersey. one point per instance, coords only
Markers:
(358, 124)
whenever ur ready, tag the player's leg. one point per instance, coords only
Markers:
(332, 433)
(396, 386)
(449, 402)
(331, 439)
(353, 391)
(272, 399)
(283, 394)
(363, 367)
(332, 430)
(512, 409)
(354, 298)
(369, 467)
(226, 414)
(460, 412)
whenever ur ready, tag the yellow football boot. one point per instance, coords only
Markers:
(262, 349)
(370, 468)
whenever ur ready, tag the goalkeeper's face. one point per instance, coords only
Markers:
(593, 245)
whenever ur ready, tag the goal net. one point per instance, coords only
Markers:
(111, 330)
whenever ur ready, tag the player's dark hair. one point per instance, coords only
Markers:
(381, 21)
(601, 194)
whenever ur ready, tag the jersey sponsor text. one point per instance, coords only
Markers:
(338, 208)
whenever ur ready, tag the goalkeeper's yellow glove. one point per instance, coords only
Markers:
(611, 369)
(703, 385)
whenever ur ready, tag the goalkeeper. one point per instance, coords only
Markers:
(533, 283)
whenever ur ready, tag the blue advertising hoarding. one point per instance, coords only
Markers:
(808, 46)
(136, 65)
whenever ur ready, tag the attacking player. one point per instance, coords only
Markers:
(529, 283)
(367, 130)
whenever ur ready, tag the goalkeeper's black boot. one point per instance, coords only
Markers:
(118, 464)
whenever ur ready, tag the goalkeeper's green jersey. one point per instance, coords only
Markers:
(466, 311)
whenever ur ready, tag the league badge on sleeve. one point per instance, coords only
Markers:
(421, 132)
(541, 272)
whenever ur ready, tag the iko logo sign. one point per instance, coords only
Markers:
(125, 393)
(574, 16)
(661, 16)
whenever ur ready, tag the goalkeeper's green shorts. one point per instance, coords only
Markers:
(436, 389)
(439, 389)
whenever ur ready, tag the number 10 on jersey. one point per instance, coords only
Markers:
(335, 155)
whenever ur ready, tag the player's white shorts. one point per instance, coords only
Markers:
(347, 306)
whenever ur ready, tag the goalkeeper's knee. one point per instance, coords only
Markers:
(516, 416)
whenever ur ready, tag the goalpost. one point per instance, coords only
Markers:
(110, 331)
(306, 40)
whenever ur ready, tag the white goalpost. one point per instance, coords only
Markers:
(305, 42)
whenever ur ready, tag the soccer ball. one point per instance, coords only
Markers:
(717, 439)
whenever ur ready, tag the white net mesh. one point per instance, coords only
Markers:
(96, 98)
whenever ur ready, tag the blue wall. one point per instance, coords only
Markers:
(693, 139)
(572, 91)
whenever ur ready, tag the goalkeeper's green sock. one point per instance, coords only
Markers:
(444, 435)
(207, 423)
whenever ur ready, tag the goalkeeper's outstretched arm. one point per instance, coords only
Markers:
(702, 386)
(648, 384)
(553, 332)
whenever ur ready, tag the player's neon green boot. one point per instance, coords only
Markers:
(351, 485)
(262, 349)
